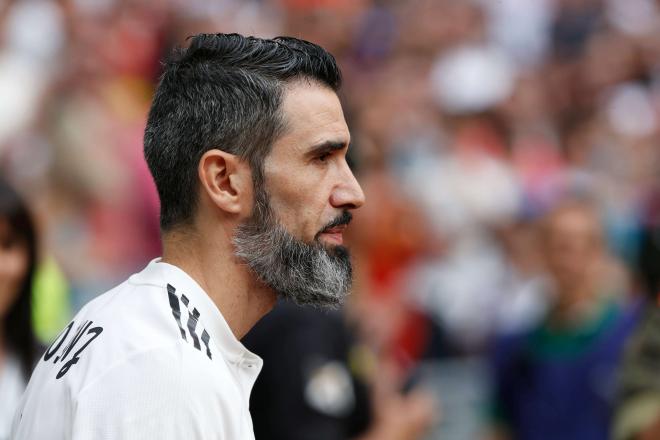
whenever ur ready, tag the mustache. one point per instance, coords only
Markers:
(343, 219)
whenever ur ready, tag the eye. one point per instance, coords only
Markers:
(323, 157)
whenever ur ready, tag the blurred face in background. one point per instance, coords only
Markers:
(572, 247)
(14, 261)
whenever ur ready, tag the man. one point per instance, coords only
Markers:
(556, 380)
(246, 142)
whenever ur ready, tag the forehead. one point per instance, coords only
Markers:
(574, 221)
(312, 115)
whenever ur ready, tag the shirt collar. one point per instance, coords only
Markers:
(158, 273)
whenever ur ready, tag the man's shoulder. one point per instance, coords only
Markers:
(137, 315)
(159, 389)
(117, 325)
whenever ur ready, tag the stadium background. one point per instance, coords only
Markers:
(471, 119)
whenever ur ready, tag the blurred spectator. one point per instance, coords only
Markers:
(638, 409)
(638, 406)
(556, 380)
(649, 259)
(314, 384)
(387, 238)
(18, 345)
(307, 372)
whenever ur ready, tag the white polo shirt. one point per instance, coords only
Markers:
(152, 358)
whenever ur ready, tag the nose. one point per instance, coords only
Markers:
(348, 193)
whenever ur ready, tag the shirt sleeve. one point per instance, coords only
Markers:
(150, 395)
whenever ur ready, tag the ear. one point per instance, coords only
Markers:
(226, 180)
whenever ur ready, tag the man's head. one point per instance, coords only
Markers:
(573, 247)
(250, 133)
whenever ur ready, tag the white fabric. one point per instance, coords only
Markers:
(136, 377)
(12, 385)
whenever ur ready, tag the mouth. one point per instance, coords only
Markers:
(335, 234)
(334, 231)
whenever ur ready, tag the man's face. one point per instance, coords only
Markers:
(573, 247)
(306, 174)
(293, 240)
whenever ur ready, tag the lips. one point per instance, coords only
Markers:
(336, 238)
(335, 229)
(334, 234)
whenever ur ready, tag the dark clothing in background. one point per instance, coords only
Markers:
(649, 261)
(306, 389)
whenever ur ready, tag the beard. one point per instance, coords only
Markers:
(306, 273)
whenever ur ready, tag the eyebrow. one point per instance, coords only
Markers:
(326, 147)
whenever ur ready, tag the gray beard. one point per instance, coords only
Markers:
(306, 273)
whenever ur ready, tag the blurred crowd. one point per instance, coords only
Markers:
(509, 151)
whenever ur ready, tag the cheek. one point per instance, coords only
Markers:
(300, 204)
(301, 215)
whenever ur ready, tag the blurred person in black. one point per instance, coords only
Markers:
(557, 379)
(312, 385)
(649, 258)
(18, 259)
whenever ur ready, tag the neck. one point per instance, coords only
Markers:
(241, 298)
(575, 305)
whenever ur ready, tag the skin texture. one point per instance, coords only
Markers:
(308, 188)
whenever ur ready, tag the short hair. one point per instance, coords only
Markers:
(224, 91)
